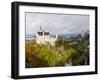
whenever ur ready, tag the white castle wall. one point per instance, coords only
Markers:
(46, 39)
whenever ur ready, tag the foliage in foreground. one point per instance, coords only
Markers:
(45, 55)
(73, 52)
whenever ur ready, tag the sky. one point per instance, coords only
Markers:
(56, 23)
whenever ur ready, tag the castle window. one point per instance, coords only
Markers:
(40, 33)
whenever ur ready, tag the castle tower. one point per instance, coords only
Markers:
(40, 29)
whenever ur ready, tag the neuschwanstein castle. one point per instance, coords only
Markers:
(43, 37)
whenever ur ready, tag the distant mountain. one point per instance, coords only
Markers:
(30, 37)
(73, 36)
(67, 36)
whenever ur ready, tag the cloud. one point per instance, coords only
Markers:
(56, 23)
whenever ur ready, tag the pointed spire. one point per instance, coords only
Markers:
(40, 28)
